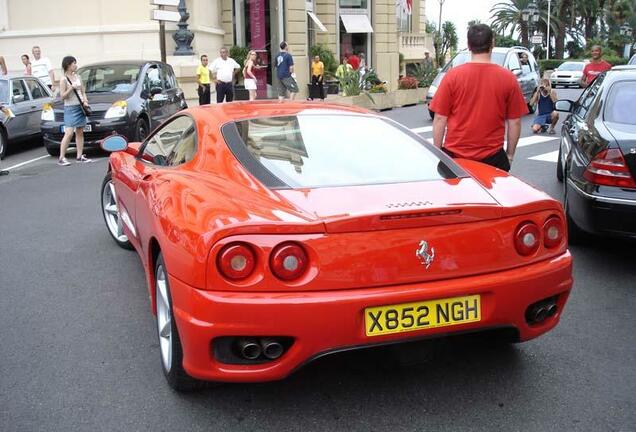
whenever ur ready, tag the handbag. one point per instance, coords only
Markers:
(86, 109)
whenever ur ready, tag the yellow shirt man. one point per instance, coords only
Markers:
(203, 74)
(317, 68)
(203, 79)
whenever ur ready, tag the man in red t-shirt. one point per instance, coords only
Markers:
(473, 104)
(354, 61)
(595, 67)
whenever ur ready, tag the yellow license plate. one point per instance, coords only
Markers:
(407, 317)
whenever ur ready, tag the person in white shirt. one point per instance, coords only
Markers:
(223, 70)
(41, 68)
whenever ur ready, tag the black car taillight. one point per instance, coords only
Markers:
(609, 168)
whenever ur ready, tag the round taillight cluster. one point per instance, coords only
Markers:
(288, 261)
(237, 261)
(553, 232)
(527, 238)
(528, 235)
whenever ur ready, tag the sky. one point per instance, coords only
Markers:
(460, 12)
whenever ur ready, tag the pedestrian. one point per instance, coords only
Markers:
(473, 104)
(362, 68)
(317, 76)
(42, 68)
(75, 106)
(26, 61)
(354, 61)
(546, 97)
(595, 67)
(428, 61)
(3, 66)
(285, 73)
(223, 69)
(343, 68)
(249, 79)
(523, 59)
(203, 79)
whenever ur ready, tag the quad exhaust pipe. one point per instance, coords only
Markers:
(253, 348)
(542, 310)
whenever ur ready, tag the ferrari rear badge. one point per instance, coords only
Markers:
(423, 254)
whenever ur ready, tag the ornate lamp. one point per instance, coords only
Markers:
(183, 37)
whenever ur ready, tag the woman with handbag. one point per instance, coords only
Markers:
(76, 109)
(249, 79)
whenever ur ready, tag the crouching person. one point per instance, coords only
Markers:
(545, 97)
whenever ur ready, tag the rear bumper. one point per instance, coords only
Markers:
(601, 214)
(52, 135)
(323, 322)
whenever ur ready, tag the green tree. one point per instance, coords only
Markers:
(445, 42)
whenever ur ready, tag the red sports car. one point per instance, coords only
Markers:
(272, 234)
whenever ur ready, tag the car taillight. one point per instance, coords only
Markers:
(527, 238)
(553, 232)
(236, 261)
(288, 261)
(608, 168)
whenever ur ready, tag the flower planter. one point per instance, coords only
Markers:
(410, 96)
(382, 101)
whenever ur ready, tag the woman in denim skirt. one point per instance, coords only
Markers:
(74, 117)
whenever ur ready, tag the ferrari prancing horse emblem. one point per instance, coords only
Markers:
(423, 254)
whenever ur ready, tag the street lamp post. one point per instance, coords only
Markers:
(439, 25)
(531, 16)
(547, 39)
(626, 30)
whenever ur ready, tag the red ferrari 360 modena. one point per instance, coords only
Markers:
(272, 234)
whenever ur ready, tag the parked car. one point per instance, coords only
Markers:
(23, 98)
(274, 234)
(127, 97)
(568, 74)
(528, 75)
(597, 156)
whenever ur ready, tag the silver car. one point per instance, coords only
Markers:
(568, 74)
(528, 75)
(22, 98)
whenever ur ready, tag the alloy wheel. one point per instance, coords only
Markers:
(111, 212)
(164, 319)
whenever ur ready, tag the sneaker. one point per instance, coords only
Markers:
(83, 159)
(63, 162)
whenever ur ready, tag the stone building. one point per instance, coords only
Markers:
(98, 30)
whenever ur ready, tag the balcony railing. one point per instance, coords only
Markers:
(413, 45)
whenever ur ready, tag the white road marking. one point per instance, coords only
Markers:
(535, 139)
(422, 129)
(547, 157)
(26, 162)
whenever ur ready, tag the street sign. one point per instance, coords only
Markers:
(537, 39)
(173, 3)
(164, 15)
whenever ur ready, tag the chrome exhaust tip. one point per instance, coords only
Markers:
(272, 349)
(551, 310)
(250, 349)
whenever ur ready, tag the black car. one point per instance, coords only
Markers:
(597, 156)
(130, 98)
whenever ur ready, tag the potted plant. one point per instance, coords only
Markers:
(239, 54)
(408, 92)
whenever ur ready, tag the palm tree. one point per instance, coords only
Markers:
(506, 16)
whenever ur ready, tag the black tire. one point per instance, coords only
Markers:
(576, 235)
(142, 129)
(124, 244)
(52, 151)
(175, 374)
(4, 142)
(559, 168)
(432, 114)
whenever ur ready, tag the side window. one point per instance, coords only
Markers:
(588, 96)
(36, 89)
(153, 78)
(169, 81)
(19, 91)
(174, 144)
(513, 62)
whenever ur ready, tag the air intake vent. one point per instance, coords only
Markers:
(409, 204)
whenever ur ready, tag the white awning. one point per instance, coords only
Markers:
(316, 21)
(356, 23)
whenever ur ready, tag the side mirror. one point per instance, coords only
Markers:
(564, 105)
(114, 143)
(17, 99)
(155, 91)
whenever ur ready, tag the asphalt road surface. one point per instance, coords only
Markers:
(79, 348)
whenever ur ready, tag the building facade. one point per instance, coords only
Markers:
(99, 30)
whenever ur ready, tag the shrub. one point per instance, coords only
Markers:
(378, 88)
(407, 82)
(239, 54)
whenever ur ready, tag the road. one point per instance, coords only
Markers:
(79, 347)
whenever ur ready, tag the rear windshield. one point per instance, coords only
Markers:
(319, 150)
(621, 104)
(464, 57)
(570, 67)
(4, 92)
(112, 78)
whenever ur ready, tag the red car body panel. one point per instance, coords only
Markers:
(361, 242)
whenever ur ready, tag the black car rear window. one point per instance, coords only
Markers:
(312, 150)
